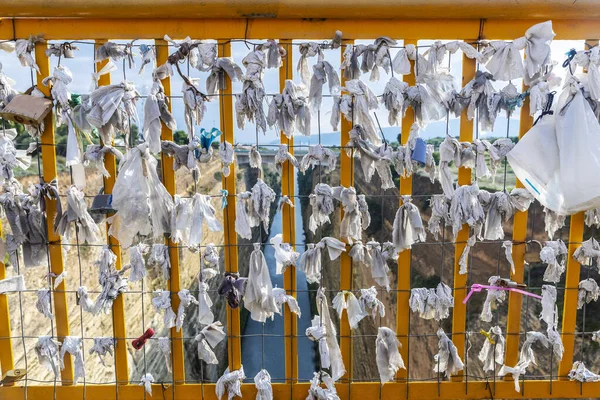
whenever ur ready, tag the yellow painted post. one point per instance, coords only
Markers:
(515, 300)
(346, 180)
(234, 347)
(290, 322)
(464, 178)
(162, 53)
(7, 360)
(61, 308)
(118, 311)
(403, 295)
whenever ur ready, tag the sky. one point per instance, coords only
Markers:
(83, 65)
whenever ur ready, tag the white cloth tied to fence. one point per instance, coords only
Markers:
(209, 337)
(588, 292)
(346, 300)
(310, 261)
(262, 381)
(230, 382)
(493, 296)
(73, 346)
(285, 255)
(334, 359)
(159, 258)
(185, 300)
(164, 347)
(408, 226)
(137, 264)
(258, 298)
(161, 301)
(554, 253)
(356, 217)
(319, 156)
(447, 360)
(492, 351)
(317, 392)
(184, 155)
(321, 202)
(95, 153)
(373, 158)
(77, 214)
(156, 109)
(284, 155)
(439, 218)
(432, 303)
(281, 297)
(580, 373)
(146, 381)
(387, 354)
(43, 303)
(289, 111)
(103, 346)
(588, 252)
(376, 258)
(48, 354)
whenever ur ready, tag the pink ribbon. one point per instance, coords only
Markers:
(478, 288)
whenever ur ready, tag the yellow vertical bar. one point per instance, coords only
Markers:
(402, 309)
(464, 178)
(290, 323)
(572, 287)
(61, 308)
(515, 300)
(7, 360)
(346, 180)
(234, 348)
(162, 53)
(118, 311)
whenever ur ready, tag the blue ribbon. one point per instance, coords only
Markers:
(224, 194)
(206, 139)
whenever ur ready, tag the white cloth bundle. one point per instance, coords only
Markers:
(205, 315)
(387, 354)
(376, 258)
(587, 252)
(258, 298)
(439, 214)
(527, 356)
(401, 64)
(554, 253)
(227, 154)
(493, 296)
(284, 155)
(112, 281)
(156, 109)
(230, 382)
(185, 299)
(369, 302)
(424, 98)
(500, 207)
(137, 264)
(317, 392)
(588, 292)
(262, 381)
(447, 360)
(393, 100)
(590, 60)
(222, 67)
(356, 106)
(254, 157)
(207, 339)
(356, 213)
(334, 362)
(538, 93)
(13, 284)
(372, 158)
(479, 94)
(281, 297)
(346, 300)
(310, 261)
(549, 312)
(289, 111)
(507, 245)
(43, 303)
(492, 351)
(162, 303)
(210, 258)
(275, 53)
(323, 72)
(285, 255)
(307, 50)
(146, 381)
(84, 300)
(261, 198)
(164, 347)
(408, 226)
(463, 261)
(142, 202)
(319, 156)
(432, 303)
(10, 157)
(437, 52)
(95, 153)
(7, 92)
(450, 151)
(465, 208)
(159, 258)
(112, 109)
(103, 346)
(553, 222)
(183, 155)
(194, 105)
(72, 345)
(77, 214)
(148, 56)
(374, 56)
(60, 78)
(47, 351)
(516, 372)
(24, 49)
(592, 217)
(580, 373)
(357, 252)
(321, 202)
(249, 105)
(202, 211)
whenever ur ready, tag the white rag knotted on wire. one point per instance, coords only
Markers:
(356, 213)
(249, 105)
(357, 252)
(24, 51)
(285, 255)
(162, 303)
(205, 315)
(393, 100)
(319, 156)
(148, 56)
(507, 245)
(538, 92)
(73, 346)
(479, 96)
(258, 298)
(321, 202)
(317, 392)
(284, 155)
(48, 354)
(142, 203)
(408, 226)
(499, 207)
(210, 260)
(146, 381)
(553, 222)
(310, 261)
(447, 360)
(590, 60)
(492, 351)
(554, 253)
(289, 111)
(592, 217)
(12, 285)
(527, 356)
(112, 280)
(308, 50)
(432, 303)
(281, 297)
(356, 103)
(336, 363)
(137, 264)
(463, 261)
(450, 151)
(183, 155)
(323, 72)
(95, 153)
(588, 292)
(369, 302)
(275, 53)
(262, 196)
(223, 67)
(164, 347)
(84, 300)
(208, 338)
(230, 382)
(372, 158)
(103, 346)
(439, 218)
(374, 56)
(194, 102)
(346, 300)
(549, 312)
(387, 354)
(159, 258)
(185, 300)
(588, 252)
(516, 372)
(254, 157)
(227, 154)
(156, 109)
(77, 214)
(43, 303)
(425, 99)
(465, 208)
(437, 52)
(202, 211)
(10, 157)
(580, 373)
(493, 296)
(7, 92)
(376, 258)
(262, 381)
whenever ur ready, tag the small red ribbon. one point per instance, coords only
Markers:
(141, 341)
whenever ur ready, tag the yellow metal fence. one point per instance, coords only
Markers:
(285, 30)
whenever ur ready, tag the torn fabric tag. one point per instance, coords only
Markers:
(77, 215)
(319, 156)
(554, 254)
(432, 303)
(376, 258)
(317, 392)
(159, 258)
(13, 284)
(321, 202)
(310, 261)
(164, 346)
(580, 373)
(348, 301)
(588, 292)
(146, 381)
(136, 262)
(103, 346)
(43, 303)
(232, 287)
(280, 296)
(285, 255)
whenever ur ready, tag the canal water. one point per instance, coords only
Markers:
(268, 351)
